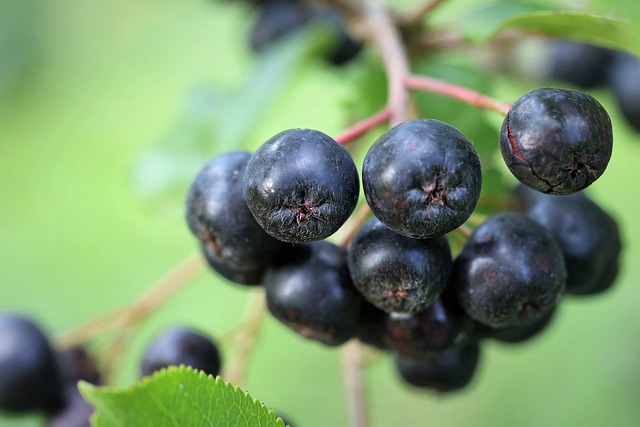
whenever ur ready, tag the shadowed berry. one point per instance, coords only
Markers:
(450, 371)
(556, 141)
(587, 235)
(308, 288)
(181, 346)
(218, 216)
(624, 79)
(372, 326)
(581, 64)
(422, 178)
(244, 276)
(441, 326)
(511, 272)
(29, 374)
(397, 273)
(75, 413)
(76, 364)
(301, 185)
(517, 334)
(278, 19)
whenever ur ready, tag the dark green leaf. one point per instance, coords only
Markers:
(177, 396)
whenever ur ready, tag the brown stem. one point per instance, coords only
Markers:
(353, 384)
(149, 301)
(355, 222)
(246, 338)
(472, 97)
(384, 35)
(362, 127)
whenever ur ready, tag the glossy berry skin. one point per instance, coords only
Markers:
(217, 214)
(450, 371)
(301, 185)
(397, 273)
(181, 346)
(29, 375)
(624, 79)
(556, 141)
(308, 288)
(240, 276)
(422, 178)
(588, 237)
(511, 272)
(440, 327)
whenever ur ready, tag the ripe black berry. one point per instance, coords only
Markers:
(510, 272)
(277, 19)
(301, 185)
(556, 141)
(588, 237)
(181, 346)
(372, 329)
(218, 216)
(76, 364)
(397, 273)
(75, 413)
(422, 178)
(624, 79)
(29, 375)
(244, 276)
(440, 327)
(450, 371)
(516, 334)
(581, 64)
(308, 288)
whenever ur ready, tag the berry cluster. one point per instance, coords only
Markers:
(588, 66)
(263, 218)
(36, 378)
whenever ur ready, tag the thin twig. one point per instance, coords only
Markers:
(385, 37)
(362, 127)
(355, 222)
(154, 297)
(472, 97)
(417, 16)
(246, 339)
(353, 383)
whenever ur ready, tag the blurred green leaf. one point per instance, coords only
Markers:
(17, 41)
(480, 23)
(216, 121)
(177, 396)
(599, 30)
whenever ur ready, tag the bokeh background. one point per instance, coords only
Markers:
(88, 89)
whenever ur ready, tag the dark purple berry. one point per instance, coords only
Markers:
(581, 64)
(556, 141)
(450, 371)
(308, 288)
(76, 364)
(218, 216)
(29, 374)
(301, 185)
(278, 19)
(588, 237)
(241, 276)
(440, 327)
(624, 79)
(422, 178)
(75, 413)
(372, 329)
(397, 273)
(516, 334)
(181, 346)
(511, 272)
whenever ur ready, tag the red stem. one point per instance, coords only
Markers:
(362, 127)
(469, 96)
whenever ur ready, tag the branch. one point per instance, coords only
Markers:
(353, 383)
(246, 337)
(417, 16)
(362, 127)
(469, 96)
(157, 294)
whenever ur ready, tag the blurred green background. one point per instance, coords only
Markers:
(86, 88)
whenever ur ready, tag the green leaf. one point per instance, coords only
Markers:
(599, 30)
(177, 396)
(480, 23)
